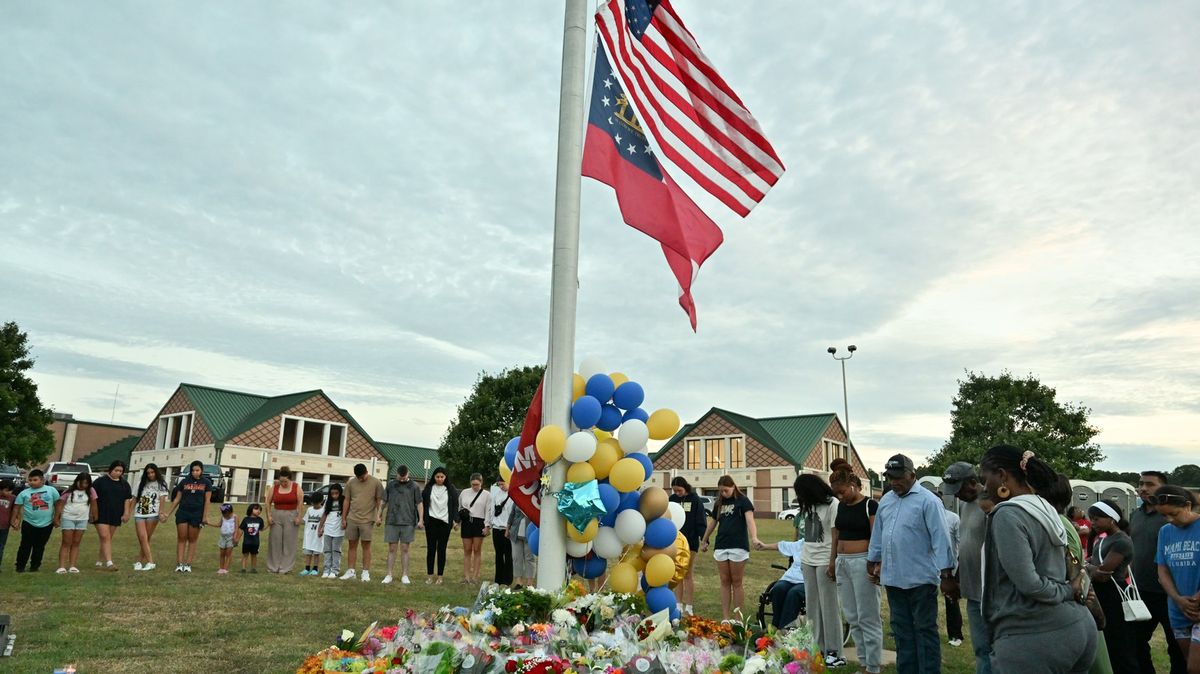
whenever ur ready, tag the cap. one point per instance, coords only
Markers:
(897, 466)
(225, 507)
(956, 474)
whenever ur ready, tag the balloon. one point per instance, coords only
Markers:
(609, 518)
(533, 537)
(606, 455)
(600, 387)
(592, 567)
(609, 497)
(607, 544)
(633, 436)
(659, 533)
(505, 471)
(580, 447)
(627, 474)
(629, 501)
(591, 366)
(588, 533)
(618, 378)
(550, 442)
(653, 503)
(630, 526)
(676, 515)
(581, 472)
(662, 424)
(623, 578)
(585, 412)
(629, 395)
(510, 452)
(669, 551)
(660, 599)
(577, 549)
(683, 559)
(647, 464)
(578, 386)
(636, 413)
(610, 417)
(601, 435)
(659, 570)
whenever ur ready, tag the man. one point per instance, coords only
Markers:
(954, 621)
(1144, 523)
(910, 554)
(364, 495)
(961, 482)
(405, 514)
(502, 507)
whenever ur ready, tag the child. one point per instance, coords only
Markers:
(312, 540)
(251, 526)
(76, 507)
(35, 518)
(6, 508)
(229, 527)
(331, 530)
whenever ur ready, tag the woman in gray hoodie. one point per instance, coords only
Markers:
(1036, 617)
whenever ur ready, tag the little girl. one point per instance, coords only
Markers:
(330, 529)
(76, 508)
(249, 531)
(312, 540)
(229, 527)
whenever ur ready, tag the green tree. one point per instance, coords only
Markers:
(1023, 412)
(25, 437)
(1187, 475)
(487, 420)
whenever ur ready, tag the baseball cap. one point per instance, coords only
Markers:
(897, 466)
(956, 474)
(225, 507)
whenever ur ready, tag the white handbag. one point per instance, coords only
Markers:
(1132, 606)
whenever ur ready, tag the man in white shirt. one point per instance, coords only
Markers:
(502, 507)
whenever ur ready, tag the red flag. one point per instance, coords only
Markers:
(525, 484)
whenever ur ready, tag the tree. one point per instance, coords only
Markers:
(1023, 412)
(487, 420)
(25, 437)
(1187, 475)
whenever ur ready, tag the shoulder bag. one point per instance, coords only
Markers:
(1076, 569)
(464, 514)
(1132, 606)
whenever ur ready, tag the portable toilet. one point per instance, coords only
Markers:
(1085, 493)
(934, 484)
(1124, 494)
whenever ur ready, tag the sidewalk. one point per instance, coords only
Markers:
(889, 657)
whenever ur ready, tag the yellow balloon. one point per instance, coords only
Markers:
(623, 578)
(581, 472)
(550, 442)
(505, 471)
(601, 434)
(683, 560)
(659, 570)
(627, 475)
(589, 532)
(578, 387)
(662, 424)
(608, 453)
(618, 378)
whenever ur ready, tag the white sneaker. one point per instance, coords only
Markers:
(61, 569)
(405, 580)
(178, 568)
(956, 642)
(387, 580)
(366, 577)
(149, 567)
(187, 568)
(348, 575)
(99, 565)
(72, 570)
(137, 566)
(327, 574)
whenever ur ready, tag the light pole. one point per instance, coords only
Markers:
(845, 400)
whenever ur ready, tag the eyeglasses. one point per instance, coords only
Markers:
(1168, 499)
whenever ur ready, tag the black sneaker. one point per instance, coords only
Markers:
(243, 571)
(832, 659)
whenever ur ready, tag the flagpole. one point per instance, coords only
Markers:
(556, 405)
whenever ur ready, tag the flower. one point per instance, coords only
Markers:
(347, 635)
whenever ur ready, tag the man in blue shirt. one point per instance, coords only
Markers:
(910, 554)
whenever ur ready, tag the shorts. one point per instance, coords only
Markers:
(109, 521)
(400, 533)
(310, 551)
(693, 543)
(225, 542)
(146, 518)
(190, 519)
(1191, 632)
(250, 548)
(73, 525)
(359, 531)
(731, 555)
(473, 528)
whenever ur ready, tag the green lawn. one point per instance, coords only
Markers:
(161, 621)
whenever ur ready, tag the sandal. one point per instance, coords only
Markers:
(438, 581)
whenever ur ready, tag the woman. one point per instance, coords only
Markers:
(1108, 567)
(524, 563)
(150, 508)
(692, 530)
(1179, 567)
(819, 508)
(284, 518)
(474, 504)
(440, 518)
(858, 596)
(1080, 521)
(190, 504)
(114, 505)
(1036, 617)
(733, 513)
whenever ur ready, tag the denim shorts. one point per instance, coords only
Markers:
(74, 525)
(1190, 632)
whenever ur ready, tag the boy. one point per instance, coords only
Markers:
(312, 540)
(35, 518)
(248, 533)
(6, 508)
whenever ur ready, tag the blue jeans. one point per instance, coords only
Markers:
(915, 629)
(786, 601)
(4, 541)
(979, 638)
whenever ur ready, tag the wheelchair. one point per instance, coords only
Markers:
(766, 610)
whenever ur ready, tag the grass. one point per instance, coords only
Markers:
(161, 621)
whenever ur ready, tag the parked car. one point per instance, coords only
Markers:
(13, 474)
(60, 474)
(709, 502)
(789, 514)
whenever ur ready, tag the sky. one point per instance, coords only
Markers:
(279, 197)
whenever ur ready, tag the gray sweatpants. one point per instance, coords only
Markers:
(821, 599)
(860, 604)
(523, 561)
(1069, 649)
(333, 554)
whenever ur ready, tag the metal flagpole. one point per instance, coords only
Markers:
(556, 405)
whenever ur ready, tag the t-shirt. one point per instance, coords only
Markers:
(972, 526)
(795, 550)
(731, 524)
(77, 504)
(37, 505)
(818, 533)
(952, 524)
(1179, 551)
(1119, 543)
(251, 526)
(6, 506)
(362, 495)
(192, 491)
(149, 503)
(402, 501)
(853, 522)
(694, 520)
(111, 496)
(333, 517)
(312, 520)
(1144, 524)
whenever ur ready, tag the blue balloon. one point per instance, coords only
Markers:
(660, 599)
(645, 461)
(585, 412)
(636, 413)
(510, 452)
(610, 418)
(610, 497)
(645, 584)
(589, 567)
(675, 612)
(629, 395)
(533, 537)
(629, 501)
(609, 519)
(600, 387)
(660, 533)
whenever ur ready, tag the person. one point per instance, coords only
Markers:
(961, 482)
(910, 555)
(1079, 520)
(954, 621)
(787, 593)
(150, 508)
(114, 507)
(733, 517)
(694, 522)
(228, 525)
(283, 521)
(1144, 524)
(405, 515)
(858, 597)
(364, 495)
(440, 518)
(332, 531)
(1108, 567)
(1035, 613)
(473, 507)
(1178, 561)
(502, 507)
(818, 511)
(249, 532)
(6, 507)
(313, 545)
(524, 562)
(189, 502)
(33, 515)
(75, 508)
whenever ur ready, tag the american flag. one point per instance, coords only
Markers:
(698, 122)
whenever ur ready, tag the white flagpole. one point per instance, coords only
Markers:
(556, 405)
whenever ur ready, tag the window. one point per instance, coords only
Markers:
(713, 451)
(174, 430)
(312, 436)
(737, 452)
(693, 455)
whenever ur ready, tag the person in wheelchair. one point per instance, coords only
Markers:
(787, 593)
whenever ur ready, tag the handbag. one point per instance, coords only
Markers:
(464, 514)
(1132, 606)
(1075, 569)
(497, 509)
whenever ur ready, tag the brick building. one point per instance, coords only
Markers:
(74, 439)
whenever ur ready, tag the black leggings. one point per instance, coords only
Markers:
(437, 534)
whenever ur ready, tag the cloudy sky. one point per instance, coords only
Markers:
(273, 198)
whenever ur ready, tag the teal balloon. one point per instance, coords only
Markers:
(580, 503)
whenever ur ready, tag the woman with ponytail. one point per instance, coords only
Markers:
(1109, 569)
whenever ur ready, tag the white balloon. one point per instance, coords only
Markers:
(590, 366)
(630, 526)
(578, 549)
(644, 449)
(675, 512)
(580, 447)
(633, 436)
(607, 544)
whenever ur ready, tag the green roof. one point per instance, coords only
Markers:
(408, 455)
(121, 449)
(221, 410)
(791, 437)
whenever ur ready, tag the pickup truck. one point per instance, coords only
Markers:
(12, 474)
(60, 474)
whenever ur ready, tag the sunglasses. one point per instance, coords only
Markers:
(1168, 499)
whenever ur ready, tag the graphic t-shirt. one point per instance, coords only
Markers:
(111, 496)
(251, 526)
(333, 518)
(37, 505)
(1179, 551)
(149, 503)
(731, 524)
(312, 520)
(77, 504)
(192, 491)
(6, 506)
